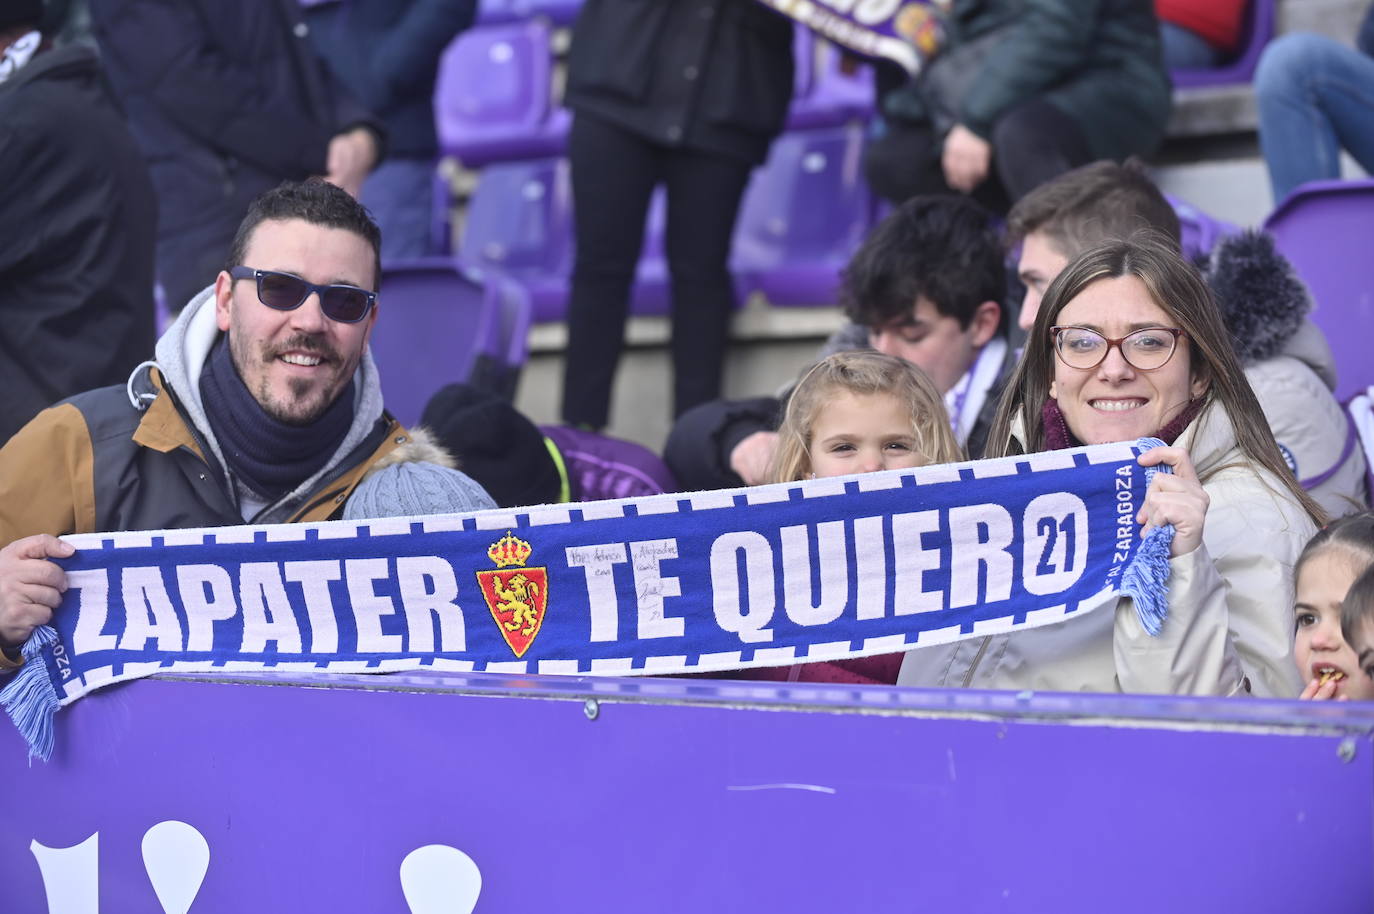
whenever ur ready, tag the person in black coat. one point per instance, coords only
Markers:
(386, 52)
(687, 93)
(227, 100)
(77, 215)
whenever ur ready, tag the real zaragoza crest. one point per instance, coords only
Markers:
(517, 598)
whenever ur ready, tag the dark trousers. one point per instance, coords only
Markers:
(614, 173)
(1031, 144)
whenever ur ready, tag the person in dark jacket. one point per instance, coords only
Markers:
(689, 94)
(386, 52)
(926, 286)
(78, 213)
(1023, 91)
(227, 100)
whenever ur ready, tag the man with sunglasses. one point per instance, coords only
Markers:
(263, 406)
(1286, 359)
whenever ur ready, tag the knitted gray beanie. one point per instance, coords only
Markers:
(414, 489)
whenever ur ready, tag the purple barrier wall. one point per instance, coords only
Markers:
(548, 794)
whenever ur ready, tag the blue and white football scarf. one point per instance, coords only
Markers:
(822, 569)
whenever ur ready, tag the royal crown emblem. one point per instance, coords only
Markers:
(517, 598)
(509, 551)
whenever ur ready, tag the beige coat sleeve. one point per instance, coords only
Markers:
(1194, 653)
(1230, 602)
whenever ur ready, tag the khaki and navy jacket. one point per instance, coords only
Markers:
(96, 464)
(134, 457)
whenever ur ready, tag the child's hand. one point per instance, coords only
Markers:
(1322, 691)
(1176, 498)
(752, 457)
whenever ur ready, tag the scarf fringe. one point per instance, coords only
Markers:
(1146, 578)
(30, 697)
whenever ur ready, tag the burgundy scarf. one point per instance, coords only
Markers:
(1058, 436)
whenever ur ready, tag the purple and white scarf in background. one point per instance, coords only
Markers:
(905, 32)
(18, 54)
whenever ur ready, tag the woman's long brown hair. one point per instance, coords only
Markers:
(1176, 287)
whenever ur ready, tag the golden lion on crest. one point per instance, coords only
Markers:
(519, 601)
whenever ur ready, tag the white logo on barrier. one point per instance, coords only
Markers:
(71, 876)
(176, 857)
(438, 879)
(435, 878)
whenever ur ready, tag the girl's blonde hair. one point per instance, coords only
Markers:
(859, 373)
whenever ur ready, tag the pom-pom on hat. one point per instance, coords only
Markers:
(1262, 300)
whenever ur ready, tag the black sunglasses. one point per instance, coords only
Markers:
(284, 292)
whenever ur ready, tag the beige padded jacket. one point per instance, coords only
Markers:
(1230, 624)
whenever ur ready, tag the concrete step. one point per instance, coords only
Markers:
(768, 348)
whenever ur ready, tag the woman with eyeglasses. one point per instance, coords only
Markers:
(1129, 343)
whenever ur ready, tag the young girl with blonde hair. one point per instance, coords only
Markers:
(857, 412)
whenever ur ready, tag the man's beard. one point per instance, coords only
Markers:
(309, 398)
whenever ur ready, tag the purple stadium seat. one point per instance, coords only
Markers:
(515, 315)
(1200, 232)
(803, 216)
(438, 325)
(440, 219)
(1256, 31)
(162, 315)
(803, 61)
(559, 12)
(493, 102)
(824, 95)
(1325, 228)
(519, 222)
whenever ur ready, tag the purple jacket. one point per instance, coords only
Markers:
(601, 467)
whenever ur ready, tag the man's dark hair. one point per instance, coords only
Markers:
(1092, 204)
(315, 201)
(942, 248)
